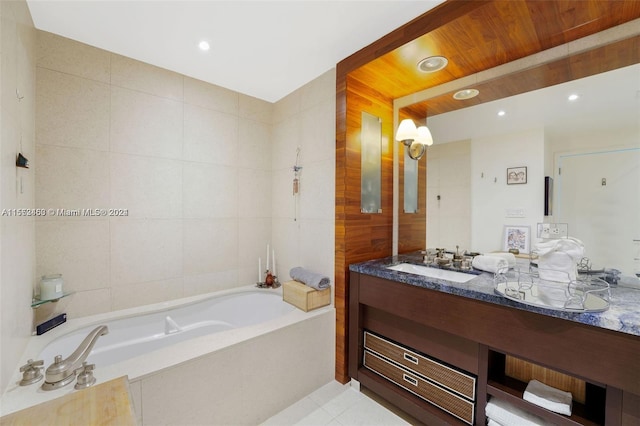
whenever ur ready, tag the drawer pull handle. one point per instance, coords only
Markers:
(411, 358)
(410, 379)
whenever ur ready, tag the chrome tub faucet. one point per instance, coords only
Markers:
(63, 371)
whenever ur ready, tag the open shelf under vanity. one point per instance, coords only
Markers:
(589, 410)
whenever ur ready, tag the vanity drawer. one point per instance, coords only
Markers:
(441, 374)
(448, 401)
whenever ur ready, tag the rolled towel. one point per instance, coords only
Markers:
(548, 397)
(506, 414)
(509, 257)
(490, 264)
(310, 278)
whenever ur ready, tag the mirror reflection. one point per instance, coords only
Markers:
(588, 144)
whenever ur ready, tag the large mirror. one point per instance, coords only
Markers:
(588, 148)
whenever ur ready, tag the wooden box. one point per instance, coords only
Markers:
(304, 297)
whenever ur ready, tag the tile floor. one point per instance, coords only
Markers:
(340, 405)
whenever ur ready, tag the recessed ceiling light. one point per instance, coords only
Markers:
(203, 45)
(462, 95)
(573, 97)
(501, 113)
(432, 64)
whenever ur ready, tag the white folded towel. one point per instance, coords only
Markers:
(508, 415)
(509, 257)
(548, 397)
(490, 264)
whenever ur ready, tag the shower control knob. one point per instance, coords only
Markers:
(85, 376)
(31, 372)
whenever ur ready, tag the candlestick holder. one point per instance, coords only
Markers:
(270, 281)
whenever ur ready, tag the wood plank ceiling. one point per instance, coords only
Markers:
(474, 35)
(497, 33)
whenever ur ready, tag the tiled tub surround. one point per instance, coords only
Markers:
(623, 315)
(205, 173)
(240, 376)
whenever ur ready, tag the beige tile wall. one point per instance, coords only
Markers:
(205, 173)
(303, 226)
(189, 160)
(17, 234)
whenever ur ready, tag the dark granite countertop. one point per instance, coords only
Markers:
(623, 314)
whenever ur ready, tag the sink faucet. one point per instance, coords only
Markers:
(63, 371)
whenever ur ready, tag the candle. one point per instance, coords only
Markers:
(259, 269)
(267, 256)
(274, 261)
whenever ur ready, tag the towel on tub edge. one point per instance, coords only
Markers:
(310, 278)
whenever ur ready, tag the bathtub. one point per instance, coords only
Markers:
(134, 336)
(238, 344)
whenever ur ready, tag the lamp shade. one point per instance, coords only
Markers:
(424, 136)
(406, 130)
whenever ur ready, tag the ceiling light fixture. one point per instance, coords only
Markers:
(415, 138)
(573, 97)
(465, 94)
(501, 113)
(203, 45)
(432, 64)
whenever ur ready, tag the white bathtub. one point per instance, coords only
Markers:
(198, 340)
(134, 336)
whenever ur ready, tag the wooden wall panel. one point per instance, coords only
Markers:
(359, 236)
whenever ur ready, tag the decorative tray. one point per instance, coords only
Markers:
(584, 294)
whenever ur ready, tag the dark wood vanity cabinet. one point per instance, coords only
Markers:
(441, 357)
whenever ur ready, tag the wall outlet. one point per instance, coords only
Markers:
(553, 230)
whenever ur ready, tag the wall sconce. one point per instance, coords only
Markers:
(416, 138)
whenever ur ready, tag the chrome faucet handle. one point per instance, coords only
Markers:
(58, 374)
(31, 372)
(63, 371)
(85, 376)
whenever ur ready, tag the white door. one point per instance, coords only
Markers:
(598, 195)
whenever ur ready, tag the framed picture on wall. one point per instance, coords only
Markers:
(516, 175)
(517, 238)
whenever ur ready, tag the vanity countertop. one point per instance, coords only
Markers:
(623, 314)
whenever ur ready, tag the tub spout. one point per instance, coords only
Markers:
(170, 326)
(63, 371)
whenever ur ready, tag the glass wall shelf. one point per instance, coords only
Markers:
(35, 302)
